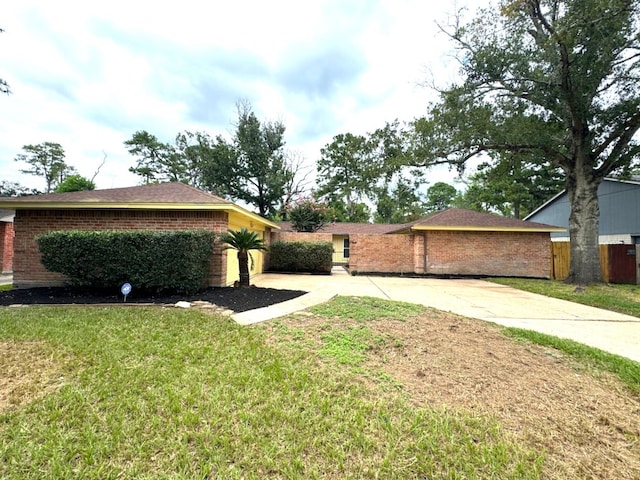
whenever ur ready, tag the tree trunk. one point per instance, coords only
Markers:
(243, 266)
(582, 189)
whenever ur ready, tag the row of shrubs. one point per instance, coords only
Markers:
(158, 261)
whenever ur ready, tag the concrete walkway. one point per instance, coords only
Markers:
(609, 331)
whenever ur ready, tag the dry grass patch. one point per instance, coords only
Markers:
(584, 421)
(28, 370)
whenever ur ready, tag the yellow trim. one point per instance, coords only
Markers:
(486, 229)
(230, 207)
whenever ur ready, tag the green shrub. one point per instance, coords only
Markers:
(313, 257)
(149, 261)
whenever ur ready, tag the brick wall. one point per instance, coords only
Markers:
(6, 246)
(28, 224)
(277, 236)
(488, 253)
(382, 253)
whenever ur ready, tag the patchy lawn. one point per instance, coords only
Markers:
(355, 388)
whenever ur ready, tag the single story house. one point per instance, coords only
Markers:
(162, 207)
(619, 202)
(450, 242)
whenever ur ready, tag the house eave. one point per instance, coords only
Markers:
(462, 228)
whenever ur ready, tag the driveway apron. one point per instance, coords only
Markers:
(609, 331)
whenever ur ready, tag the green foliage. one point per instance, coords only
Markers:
(252, 168)
(307, 215)
(367, 309)
(14, 189)
(313, 257)
(75, 183)
(402, 204)
(440, 196)
(513, 184)
(163, 162)
(243, 241)
(149, 261)
(46, 160)
(354, 169)
(553, 79)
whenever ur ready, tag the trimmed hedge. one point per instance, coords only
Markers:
(149, 261)
(312, 257)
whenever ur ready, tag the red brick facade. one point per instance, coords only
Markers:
(300, 237)
(512, 254)
(517, 254)
(6, 246)
(28, 224)
(382, 253)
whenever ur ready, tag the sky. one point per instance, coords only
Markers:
(88, 75)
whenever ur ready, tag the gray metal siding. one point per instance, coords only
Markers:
(619, 210)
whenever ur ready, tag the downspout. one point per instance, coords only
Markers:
(424, 246)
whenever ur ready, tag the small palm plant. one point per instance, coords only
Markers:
(243, 241)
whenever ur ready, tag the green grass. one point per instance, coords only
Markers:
(628, 371)
(617, 298)
(172, 394)
(6, 287)
(366, 308)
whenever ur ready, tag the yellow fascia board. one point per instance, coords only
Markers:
(487, 229)
(230, 207)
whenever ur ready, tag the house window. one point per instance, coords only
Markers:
(345, 248)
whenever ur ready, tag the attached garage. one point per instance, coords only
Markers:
(159, 207)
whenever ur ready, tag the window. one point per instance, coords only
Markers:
(345, 248)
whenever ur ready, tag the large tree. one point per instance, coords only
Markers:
(46, 160)
(253, 167)
(554, 78)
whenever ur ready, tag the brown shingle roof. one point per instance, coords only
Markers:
(162, 196)
(169, 193)
(344, 228)
(461, 219)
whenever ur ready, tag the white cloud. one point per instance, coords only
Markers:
(89, 75)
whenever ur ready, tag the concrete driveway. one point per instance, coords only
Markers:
(609, 331)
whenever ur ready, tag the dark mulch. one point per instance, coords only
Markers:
(236, 299)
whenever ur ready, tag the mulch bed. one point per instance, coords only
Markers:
(236, 299)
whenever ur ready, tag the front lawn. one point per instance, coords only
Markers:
(158, 393)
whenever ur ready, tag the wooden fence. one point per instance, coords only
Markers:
(618, 262)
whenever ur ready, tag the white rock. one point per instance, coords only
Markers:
(182, 305)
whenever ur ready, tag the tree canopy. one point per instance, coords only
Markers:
(46, 160)
(553, 78)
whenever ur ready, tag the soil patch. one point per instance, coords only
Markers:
(584, 422)
(236, 299)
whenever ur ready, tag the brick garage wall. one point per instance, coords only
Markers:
(382, 253)
(28, 224)
(6, 246)
(489, 253)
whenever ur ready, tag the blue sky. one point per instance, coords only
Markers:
(88, 75)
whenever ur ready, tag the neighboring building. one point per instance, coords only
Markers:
(161, 207)
(6, 241)
(619, 202)
(451, 242)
